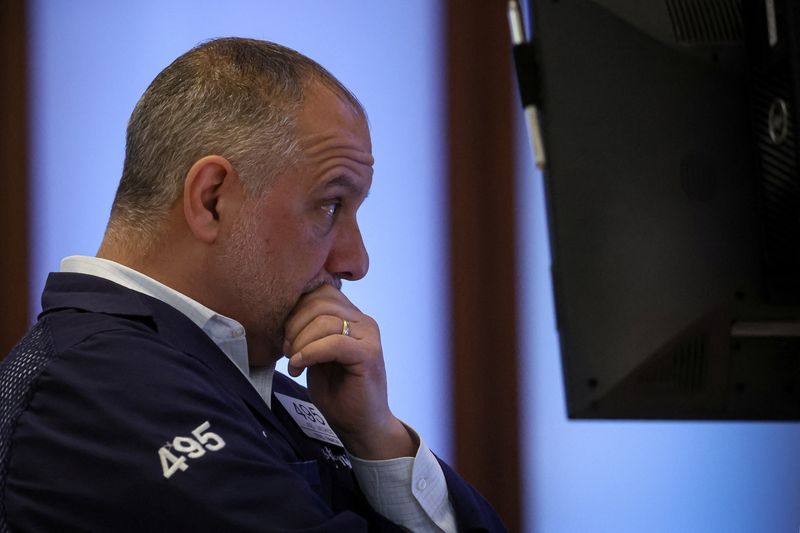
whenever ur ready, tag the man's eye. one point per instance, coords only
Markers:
(330, 209)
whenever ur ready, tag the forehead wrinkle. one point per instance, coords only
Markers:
(338, 154)
(359, 168)
(318, 145)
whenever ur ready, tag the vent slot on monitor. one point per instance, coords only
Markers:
(774, 121)
(700, 22)
(682, 368)
(780, 193)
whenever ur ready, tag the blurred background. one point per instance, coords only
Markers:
(456, 230)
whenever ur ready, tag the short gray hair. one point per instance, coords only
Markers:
(233, 97)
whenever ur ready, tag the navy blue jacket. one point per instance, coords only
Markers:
(117, 413)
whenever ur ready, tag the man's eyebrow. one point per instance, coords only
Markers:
(347, 182)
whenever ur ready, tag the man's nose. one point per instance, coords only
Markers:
(348, 258)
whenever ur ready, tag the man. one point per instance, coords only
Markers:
(145, 397)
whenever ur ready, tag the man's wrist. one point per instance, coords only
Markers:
(390, 443)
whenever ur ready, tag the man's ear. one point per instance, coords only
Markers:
(207, 181)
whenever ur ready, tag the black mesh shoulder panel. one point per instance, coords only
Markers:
(18, 373)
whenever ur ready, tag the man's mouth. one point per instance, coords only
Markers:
(336, 283)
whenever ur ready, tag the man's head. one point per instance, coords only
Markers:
(303, 233)
(237, 98)
(246, 163)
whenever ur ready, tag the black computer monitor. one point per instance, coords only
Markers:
(673, 197)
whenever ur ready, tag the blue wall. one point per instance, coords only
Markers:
(91, 60)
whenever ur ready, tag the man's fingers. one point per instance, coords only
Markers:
(330, 349)
(323, 301)
(319, 327)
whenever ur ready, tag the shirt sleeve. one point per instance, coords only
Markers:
(409, 491)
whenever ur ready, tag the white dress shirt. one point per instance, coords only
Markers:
(409, 491)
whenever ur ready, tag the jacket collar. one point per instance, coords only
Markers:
(91, 293)
(64, 291)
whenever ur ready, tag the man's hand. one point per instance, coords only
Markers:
(346, 375)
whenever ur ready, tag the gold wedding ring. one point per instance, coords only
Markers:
(345, 328)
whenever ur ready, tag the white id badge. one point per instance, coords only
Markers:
(310, 420)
